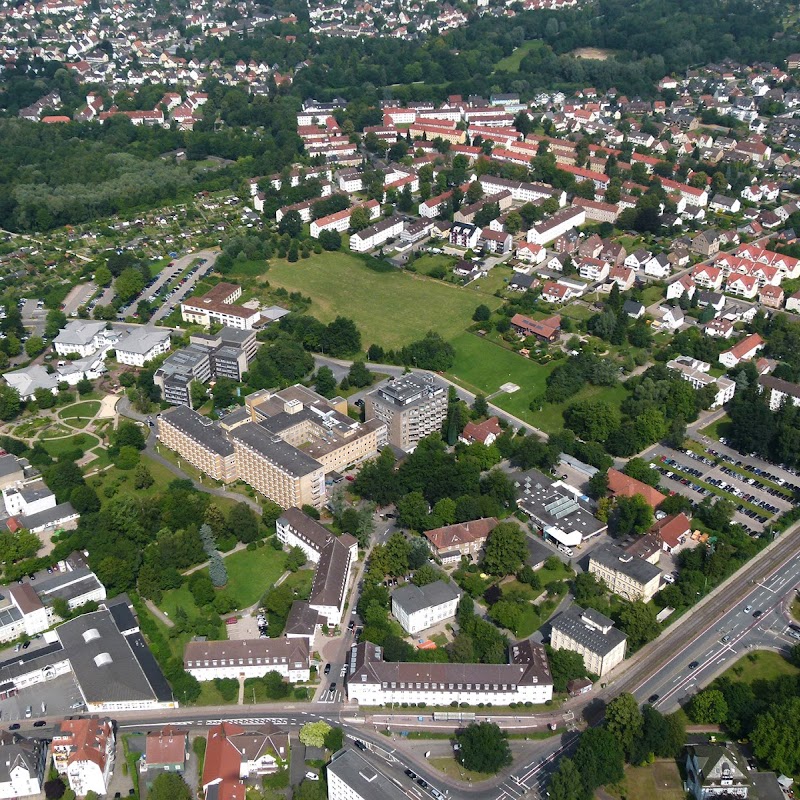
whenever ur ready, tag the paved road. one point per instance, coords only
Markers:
(187, 288)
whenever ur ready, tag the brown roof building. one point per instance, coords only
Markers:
(218, 305)
(251, 658)
(452, 542)
(620, 485)
(546, 330)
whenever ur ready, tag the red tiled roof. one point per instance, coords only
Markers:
(462, 533)
(479, 431)
(621, 485)
(672, 528)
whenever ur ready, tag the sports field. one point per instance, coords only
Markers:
(391, 308)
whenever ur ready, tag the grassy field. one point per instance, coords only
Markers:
(796, 610)
(482, 366)
(86, 409)
(424, 264)
(766, 667)
(511, 63)
(450, 767)
(248, 269)
(57, 447)
(660, 780)
(719, 428)
(390, 308)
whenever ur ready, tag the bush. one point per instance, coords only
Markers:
(228, 688)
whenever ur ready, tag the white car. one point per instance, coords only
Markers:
(668, 579)
(748, 609)
(312, 776)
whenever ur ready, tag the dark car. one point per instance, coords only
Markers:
(332, 688)
(359, 744)
(351, 625)
(694, 665)
(327, 668)
(652, 699)
(422, 782)
(14, 727)
(26, 645)
(757, 614)
(40, 723)
(411, 774)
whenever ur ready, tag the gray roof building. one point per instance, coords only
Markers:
(200, 428)
(351, 770)
(413, 598)
(142, 340)
(593, 630)
(271, 447)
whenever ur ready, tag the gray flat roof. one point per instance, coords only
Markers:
(51, 516)
(142, 340)
(252, 435)
(359, 774)
(197, 427)
(411, 388)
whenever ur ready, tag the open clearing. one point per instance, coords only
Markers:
(766, 667)
(594, 53)
(392, 308)
(660, 780)
(512, 63)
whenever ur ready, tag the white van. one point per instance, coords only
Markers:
(566, 550)
(28, 712)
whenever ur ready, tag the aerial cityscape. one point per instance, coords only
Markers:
(399, 400)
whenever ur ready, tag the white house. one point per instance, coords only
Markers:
(561, 222)
(28, 499)
(376, 235)
(593, 269)
(372, 681)
(252, 658)
(22, 765)
(83, 749)
(530, 252)
(658, 267)
(418, 608)
(82, 337)
(672, 318)
(142, 345)
(743, 351)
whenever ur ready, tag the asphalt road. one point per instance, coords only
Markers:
(187, 288)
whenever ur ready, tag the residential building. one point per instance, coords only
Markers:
(377, 234)
(626, 575)
(521, 192)
(706, 243)
(416, 231)
(418, 608)
(634, 309)
(658, 267)
(561, 222)
(694, 372)
(83, 750)
(771, 296)
(165, 750)
(83, 337)
(672, 531)
(333, 555)
(142, 345)
(546, 330)
(593, 269)
(248, 658)
(462, 540)
(462, 234)
(621, 485)
(716, 771)
(592, 635)
(412, 407)
(742, 351)
(199, 440)
(28, 498)
(485, 432)
(235, 752)
(12, 470)
(719, 327)
(351, 777)
(373, 681)
(22, 765)
(623, 276)
(230, 351)
(780, 391)
(218, 306)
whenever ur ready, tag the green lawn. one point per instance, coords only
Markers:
(577, 311)
(551, 417)
(87, 408)
(57, 447)
(482, 366)
(719, 428)
(512, 63)
(391, 308)
(424, 264)
(652, 294)
(450, 767)
(660, 780)
(248, 269)
(767, 667)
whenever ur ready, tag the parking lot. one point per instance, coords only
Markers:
(58, 696)
(748, 483)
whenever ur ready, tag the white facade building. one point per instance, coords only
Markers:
(28, 499)
(351, 777)
(418, 608)
(376, 235)
(82, 337)
(142, 345)
(558, 224)
(22, 765)
(373, 681)
(251, 658)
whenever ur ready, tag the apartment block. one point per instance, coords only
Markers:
(200, 441)
(174, 377)
(373, 681)
(625, 575)
(351, 777)
(281, 472)
(591, 634)
(418, 608)
(218, 305)
(251, 658)
(412, 407)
